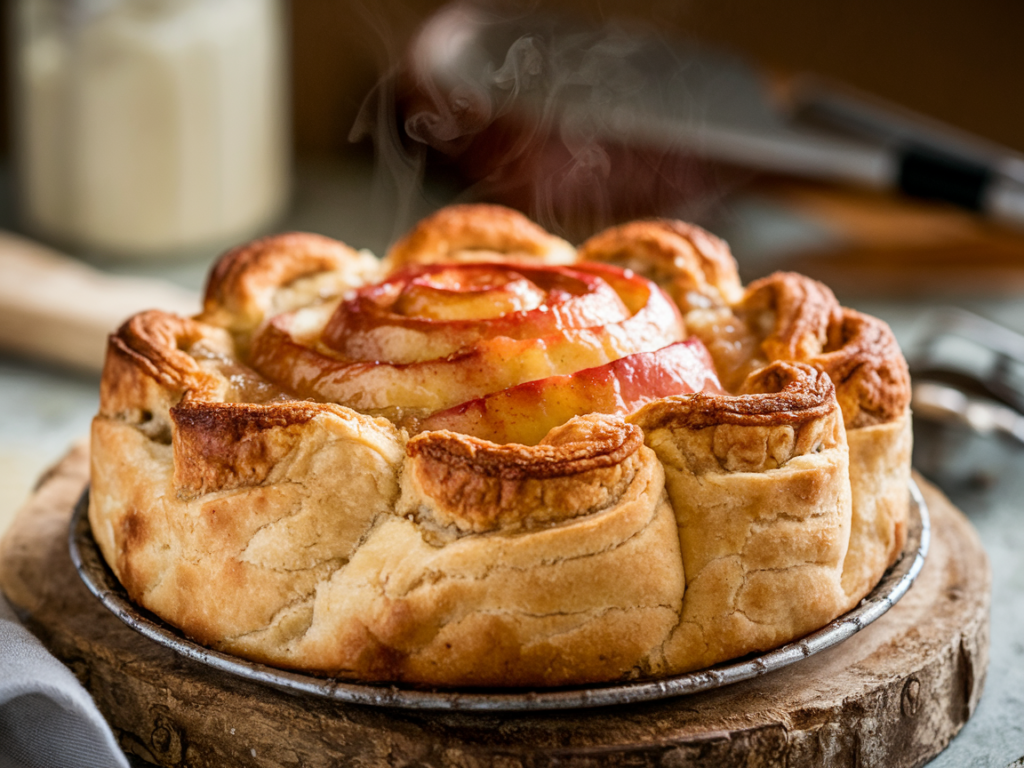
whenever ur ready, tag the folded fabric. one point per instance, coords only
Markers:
(47, 719)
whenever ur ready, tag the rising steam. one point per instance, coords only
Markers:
(535, 113)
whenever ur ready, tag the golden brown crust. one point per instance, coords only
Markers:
(310, 535)
(763, 509)
(794, 314)
(694, 266)
(780, 393)
(225, 446)
(859, 352)
(155, 359)
(787, 316)
(579, 446)
(477, 232)
(155, 342)
(240, 290)
(864, 360)
(480, 486)
(147, 370)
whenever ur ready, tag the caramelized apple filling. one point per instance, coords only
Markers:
(504, 351)
(423, 313)
(525, 413)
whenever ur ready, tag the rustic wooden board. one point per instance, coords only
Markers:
(891, 696)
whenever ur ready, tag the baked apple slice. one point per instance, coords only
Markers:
(526, 412)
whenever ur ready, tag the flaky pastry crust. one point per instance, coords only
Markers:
(262, 477)
(477, 233)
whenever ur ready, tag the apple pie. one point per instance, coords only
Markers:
(493, 459)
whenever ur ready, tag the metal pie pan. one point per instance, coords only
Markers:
(894, 584)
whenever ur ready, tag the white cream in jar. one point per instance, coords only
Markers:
(150, 127)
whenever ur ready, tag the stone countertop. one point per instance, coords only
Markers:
(47, 408)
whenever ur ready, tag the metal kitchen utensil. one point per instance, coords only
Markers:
(968, 388)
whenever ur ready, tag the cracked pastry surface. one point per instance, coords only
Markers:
(492, 459)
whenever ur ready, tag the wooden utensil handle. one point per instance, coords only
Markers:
(60, 310)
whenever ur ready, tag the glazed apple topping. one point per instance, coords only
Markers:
(504, 351)
(467, 294)
(525, 413)
(429, 312)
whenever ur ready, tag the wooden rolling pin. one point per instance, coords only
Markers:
(60, 310)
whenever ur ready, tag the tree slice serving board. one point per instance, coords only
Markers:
(893, 695)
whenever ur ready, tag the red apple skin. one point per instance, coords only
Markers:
(420, 366)
(372, 325)
(525, 413)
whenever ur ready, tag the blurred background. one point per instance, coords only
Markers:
(875, 145)
(521, 102)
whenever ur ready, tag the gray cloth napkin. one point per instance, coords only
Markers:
(47, 719)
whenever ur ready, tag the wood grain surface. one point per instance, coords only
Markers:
(893, 695)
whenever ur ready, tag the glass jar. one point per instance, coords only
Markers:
(149, 127)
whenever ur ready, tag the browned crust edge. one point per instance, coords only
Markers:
(803, 309)
(780, 393)
(243, 278)
(868, 368)
(859, 352)
(516, 462)
(146, 361)
(225, 446)
(479, 486)
(476, 226)
(683, 257)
